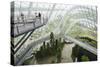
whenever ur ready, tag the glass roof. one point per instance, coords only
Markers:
(71, 20)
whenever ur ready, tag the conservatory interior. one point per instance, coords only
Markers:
(48, 33)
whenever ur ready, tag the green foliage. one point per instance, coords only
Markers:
(28, 61)
(89, 41)
(84, 58)
(82, 54)
(51, 48)
(53, 62)
(44, 46)
(75, 52)
(51, 36)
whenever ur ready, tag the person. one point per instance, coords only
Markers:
(39, 15)
(22, 17)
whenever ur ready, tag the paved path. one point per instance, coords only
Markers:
(66, 53)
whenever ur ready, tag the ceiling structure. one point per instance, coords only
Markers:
(64, 20)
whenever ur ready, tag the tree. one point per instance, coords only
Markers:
(44, 46)
(51, 39)
(75, 51)
(51, 35)
(51, 48)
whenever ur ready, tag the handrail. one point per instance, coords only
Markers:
(35, 43)
(23, 42)
(84, 45)
(20, 40)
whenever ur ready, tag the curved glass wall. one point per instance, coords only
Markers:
(63, 20)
